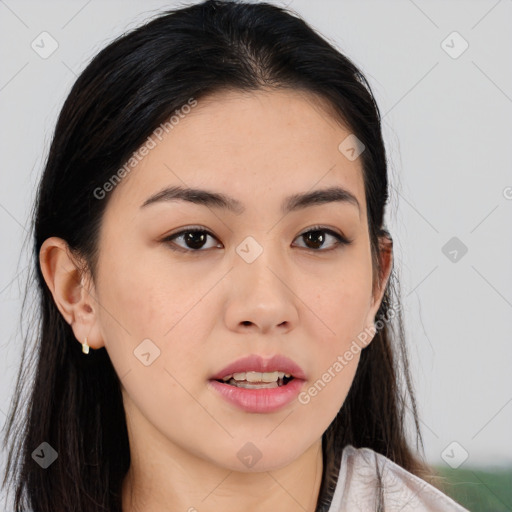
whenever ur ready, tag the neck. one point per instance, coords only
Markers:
(197, 485)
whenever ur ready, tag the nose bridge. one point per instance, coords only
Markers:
(262, 258)
(261, 294)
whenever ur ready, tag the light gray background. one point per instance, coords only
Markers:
(447, 126)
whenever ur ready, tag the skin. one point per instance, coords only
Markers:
(206, 309)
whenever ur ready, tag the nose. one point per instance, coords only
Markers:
(262, 298)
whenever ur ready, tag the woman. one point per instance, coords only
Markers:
(216, 284)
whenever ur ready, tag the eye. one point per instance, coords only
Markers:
(316, 237)
(194, 239)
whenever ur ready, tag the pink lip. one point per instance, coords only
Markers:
(258, 400)
(256, 363)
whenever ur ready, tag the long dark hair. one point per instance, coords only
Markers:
(130, 88)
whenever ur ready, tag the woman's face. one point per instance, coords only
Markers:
(253, 282)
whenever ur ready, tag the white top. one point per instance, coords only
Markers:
(356, 488)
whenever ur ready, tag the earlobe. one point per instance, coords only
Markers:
(66, 282)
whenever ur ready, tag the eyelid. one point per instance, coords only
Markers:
(331, 231)
(341, 239)
(183, 230)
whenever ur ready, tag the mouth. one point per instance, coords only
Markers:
(257, 380)
(257, 385)
(257, 372)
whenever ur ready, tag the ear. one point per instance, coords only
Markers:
(72, 289)
(386, 264)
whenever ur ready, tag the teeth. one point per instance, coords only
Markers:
(257, 376)
(249, 385)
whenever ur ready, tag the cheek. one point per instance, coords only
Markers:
(341, 304)
(146, 308)
(144, 295)
(325, 394)
(339, 301)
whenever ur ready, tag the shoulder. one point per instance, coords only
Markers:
(357, 486)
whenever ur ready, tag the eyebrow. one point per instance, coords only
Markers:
(218, 200)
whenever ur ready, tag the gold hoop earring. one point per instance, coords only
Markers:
(85, 347)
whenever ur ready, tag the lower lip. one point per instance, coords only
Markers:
(262, 400)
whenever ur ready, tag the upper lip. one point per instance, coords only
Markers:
(256, 363)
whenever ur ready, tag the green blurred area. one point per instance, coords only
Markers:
(478, 490)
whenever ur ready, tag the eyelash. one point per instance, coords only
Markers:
(341, 240)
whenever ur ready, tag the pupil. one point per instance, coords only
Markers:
(311, 235)
(193, 243)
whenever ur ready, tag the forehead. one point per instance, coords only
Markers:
(251, 145)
